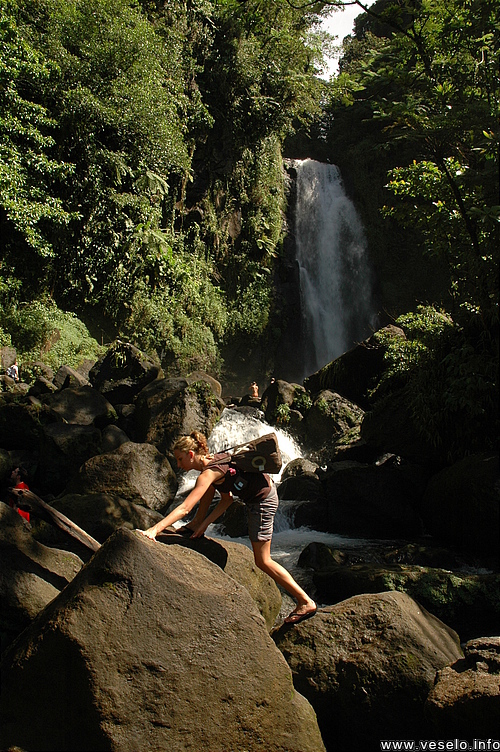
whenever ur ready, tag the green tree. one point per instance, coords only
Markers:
(431, 84)
(30, 209)
(120, 103)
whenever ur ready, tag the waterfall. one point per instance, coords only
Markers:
(335, 279)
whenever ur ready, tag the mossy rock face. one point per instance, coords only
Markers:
(354, 373)
(367, 664)
(122, 372)
(330, 417)
(468, 603)
(278, 393)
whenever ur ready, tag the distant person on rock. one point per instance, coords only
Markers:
(254, 390)
(13, 371)
(258, 492)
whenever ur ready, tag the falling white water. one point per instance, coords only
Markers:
(236, 428)
(335, 279)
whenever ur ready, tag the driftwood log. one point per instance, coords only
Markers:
(26, 498)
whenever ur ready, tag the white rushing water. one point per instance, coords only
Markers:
(335, 278)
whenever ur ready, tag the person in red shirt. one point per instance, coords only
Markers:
(18, 479)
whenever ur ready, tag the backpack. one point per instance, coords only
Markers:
(260, 455)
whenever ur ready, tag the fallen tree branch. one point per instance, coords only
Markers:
(64, 523)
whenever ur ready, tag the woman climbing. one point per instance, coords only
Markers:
(258, 492)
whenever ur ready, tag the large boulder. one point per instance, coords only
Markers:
(136, 472)
(22, 422)
(65, 448)
(143, 638)
(112, 438)
(300, 487)
(330, 416)
(378, 501)
(41, 386)
(465, 700)
(122, 372)
(31, 575)
(467, 602)
(67, 377)
(215, 385)
(238, 562)
(83, 405)
(278, 393)
(298, 466)
(355, 372)
(461, 505)
(367, 665)
(8, 357)
(168, 408)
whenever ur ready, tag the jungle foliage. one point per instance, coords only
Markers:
(141, 181)
(418, 94)
(140, 150)
(414, 113)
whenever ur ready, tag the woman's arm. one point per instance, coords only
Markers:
(202, 487)
(226, 499)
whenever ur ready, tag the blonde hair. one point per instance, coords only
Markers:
(196, 442)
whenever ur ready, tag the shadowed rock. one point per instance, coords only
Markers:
(366, 665)
(465, 700)
(152, 647)
(31, 574)
(136, 472)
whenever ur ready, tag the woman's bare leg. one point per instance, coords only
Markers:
(262, 555)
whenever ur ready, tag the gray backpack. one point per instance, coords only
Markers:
(260, 455)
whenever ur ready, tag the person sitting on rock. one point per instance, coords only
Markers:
(254, 390)
(13, 371)
(258, 492)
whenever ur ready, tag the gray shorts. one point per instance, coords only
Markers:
(261, 517)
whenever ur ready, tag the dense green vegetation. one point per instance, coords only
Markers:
(414, 114)
(141, 182)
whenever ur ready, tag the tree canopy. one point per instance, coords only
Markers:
(141, 156)
(141, 170)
